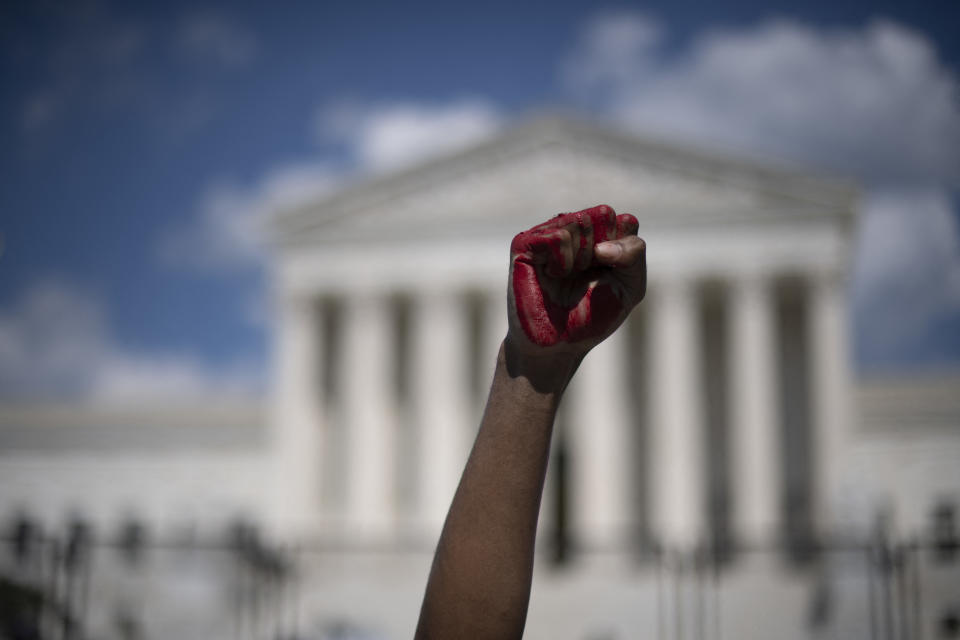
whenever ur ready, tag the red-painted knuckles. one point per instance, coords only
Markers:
(561, 293)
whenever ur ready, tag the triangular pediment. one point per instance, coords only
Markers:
(550, 165)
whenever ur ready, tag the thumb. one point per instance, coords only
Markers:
(625, 253)
(628, 257)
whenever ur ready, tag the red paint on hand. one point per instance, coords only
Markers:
(561, 293)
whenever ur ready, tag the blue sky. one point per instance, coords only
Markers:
(142, 142)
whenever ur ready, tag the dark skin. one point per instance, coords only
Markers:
(479, 585)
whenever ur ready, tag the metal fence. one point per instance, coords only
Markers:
(78, 587)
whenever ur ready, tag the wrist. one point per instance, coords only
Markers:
(547, 371)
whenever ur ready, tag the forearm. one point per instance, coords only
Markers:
(480, 581)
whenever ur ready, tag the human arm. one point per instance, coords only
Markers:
(565, 296)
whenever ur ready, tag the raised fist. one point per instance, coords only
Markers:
(574, 279)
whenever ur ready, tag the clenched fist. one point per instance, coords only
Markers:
(574, 279)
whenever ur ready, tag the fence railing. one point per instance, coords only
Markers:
(78, 587)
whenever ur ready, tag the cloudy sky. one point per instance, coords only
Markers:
(142, 143)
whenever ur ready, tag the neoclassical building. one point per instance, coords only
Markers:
(726, 399)
(702, 454)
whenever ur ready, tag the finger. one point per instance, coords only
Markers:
(625, 253)
(586, 228)
(554, 249)
(602, 219)
(596, 224)
(577, 238)
(561, 249)
(582, 237)
(627, 225)
(555, 222)
(562, 220)
(600, 215)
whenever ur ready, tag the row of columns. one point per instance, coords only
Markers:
(441, 407)
(601, 412)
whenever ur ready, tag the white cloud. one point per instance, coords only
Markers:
(391, 136)
(614, 50)
(907, 272)
(55, 343)
(876, 102)
(229, 229)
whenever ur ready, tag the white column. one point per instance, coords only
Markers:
(297, 437)
(600, 446)
(830, 389)
(442, 401)
(676, 430)
(754, 428)
(369, 413)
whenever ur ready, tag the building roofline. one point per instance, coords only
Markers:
(777, 178)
